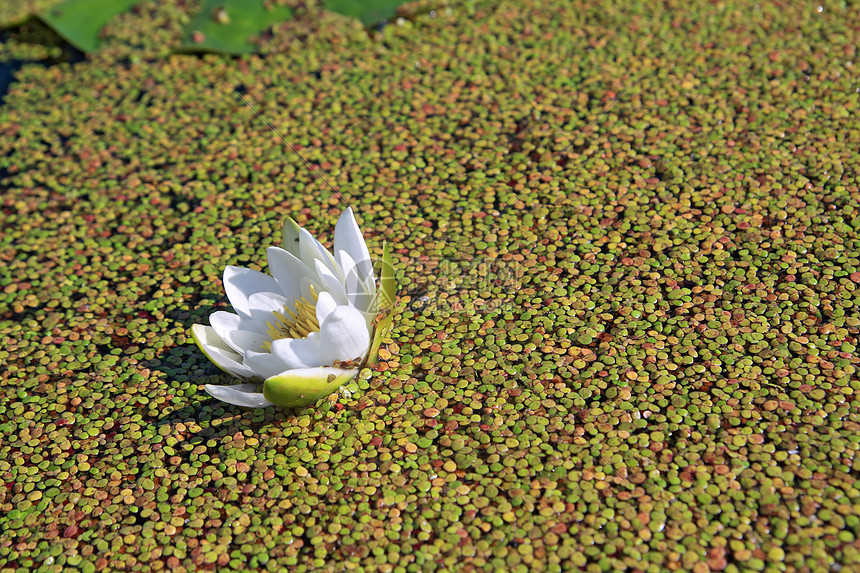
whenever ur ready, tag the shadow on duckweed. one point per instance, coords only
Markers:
(186, 363)
(34, 32)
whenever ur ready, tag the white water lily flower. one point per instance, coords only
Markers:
(305, 330)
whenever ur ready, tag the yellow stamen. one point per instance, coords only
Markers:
(297, 323)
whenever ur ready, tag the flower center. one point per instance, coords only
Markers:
(297, 322)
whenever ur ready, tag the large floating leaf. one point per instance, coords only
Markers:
(227, 26)
(368, 11)
(80, 21)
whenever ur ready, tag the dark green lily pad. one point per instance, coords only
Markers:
(369, 11)
(80, 21)
(230, 26)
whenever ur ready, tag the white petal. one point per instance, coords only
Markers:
(248, 340)
(348, 237)
(344, 335)
(299, 352)
(312, 250)
(219, 352)
(239, 395)
(291, 237)
(325, 306)
(240, 283)
(360, 283)
(331, 282)
(265, 364)
(263, 305)
(363, 271)
(290, 273)
(369, 277)
(224, 323)
(206, 335)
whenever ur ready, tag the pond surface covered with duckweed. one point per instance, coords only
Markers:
(641, 357)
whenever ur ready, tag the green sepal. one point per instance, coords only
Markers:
(384, 305)
(387, 283)
(304, 386)
(380, 331)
